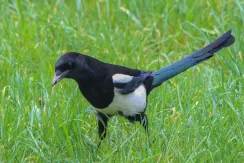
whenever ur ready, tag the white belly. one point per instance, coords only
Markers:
(129, 104)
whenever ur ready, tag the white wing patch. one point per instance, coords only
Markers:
(129, 104)
(121, 78)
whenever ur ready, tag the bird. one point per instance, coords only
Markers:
(117, 90)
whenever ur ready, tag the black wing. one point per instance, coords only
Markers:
(133, 84)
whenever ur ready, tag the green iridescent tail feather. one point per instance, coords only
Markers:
(193, 59)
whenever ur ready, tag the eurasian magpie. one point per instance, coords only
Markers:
(117, 90)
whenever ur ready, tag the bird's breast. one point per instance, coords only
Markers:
(127, 104)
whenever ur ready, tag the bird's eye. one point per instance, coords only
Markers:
(64, 67)
(70, 64)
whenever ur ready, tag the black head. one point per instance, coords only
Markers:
(64, 67)
(72, 65)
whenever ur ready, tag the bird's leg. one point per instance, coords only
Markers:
(142, 118)
(102, 120)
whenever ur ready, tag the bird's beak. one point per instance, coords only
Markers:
(59, 76)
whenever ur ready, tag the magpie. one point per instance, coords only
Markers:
(117, 90)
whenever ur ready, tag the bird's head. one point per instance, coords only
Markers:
(71, 65)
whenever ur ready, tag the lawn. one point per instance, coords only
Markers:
(194, 117)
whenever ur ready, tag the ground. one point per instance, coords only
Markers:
(195, 117)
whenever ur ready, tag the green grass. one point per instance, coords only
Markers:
(195, 117)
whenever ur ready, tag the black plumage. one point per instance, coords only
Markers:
(117, 90)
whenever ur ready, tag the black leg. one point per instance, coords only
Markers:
(102, 120)
(142, 118)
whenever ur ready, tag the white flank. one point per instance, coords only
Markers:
(129, 104)
(121, 78)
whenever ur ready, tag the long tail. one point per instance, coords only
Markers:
(193, 59)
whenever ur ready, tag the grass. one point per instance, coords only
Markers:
(195, 117)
